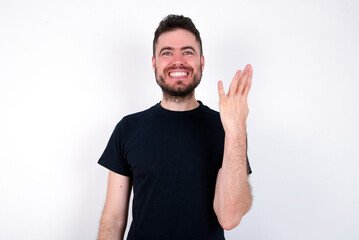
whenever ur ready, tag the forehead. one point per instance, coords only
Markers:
(177, 38)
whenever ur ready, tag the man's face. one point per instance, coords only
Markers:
(178, 63)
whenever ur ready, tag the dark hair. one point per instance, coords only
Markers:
(172, 22)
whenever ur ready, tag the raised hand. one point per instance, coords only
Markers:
(233, 106)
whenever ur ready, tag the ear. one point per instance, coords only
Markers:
(153, 63)
(202, 63)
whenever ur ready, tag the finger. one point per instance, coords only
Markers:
(248, 85)
(221, 92)
(234, 83)
(243, 79)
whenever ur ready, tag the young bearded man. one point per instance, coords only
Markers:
(187, 163)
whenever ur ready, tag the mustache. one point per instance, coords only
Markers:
(167, 69)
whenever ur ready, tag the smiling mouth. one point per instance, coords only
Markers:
(178, 74)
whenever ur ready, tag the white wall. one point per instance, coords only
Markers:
(70, 70)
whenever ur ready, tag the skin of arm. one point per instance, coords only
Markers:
(114, 216)
(232, 194)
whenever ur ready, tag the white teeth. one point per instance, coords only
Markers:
(178, 74)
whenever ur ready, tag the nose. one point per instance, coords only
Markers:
(177, 59)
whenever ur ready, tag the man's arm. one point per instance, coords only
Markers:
(232, 195)
(114, 215)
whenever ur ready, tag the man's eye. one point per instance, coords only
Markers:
(188, 53)
(166, 53)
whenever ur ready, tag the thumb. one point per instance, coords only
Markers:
(221, 92)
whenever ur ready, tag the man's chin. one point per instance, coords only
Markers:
(177, 92)
(178, 89)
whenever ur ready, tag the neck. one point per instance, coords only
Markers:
(179, 103)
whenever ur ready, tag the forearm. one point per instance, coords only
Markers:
(111, 228)
(232, 195)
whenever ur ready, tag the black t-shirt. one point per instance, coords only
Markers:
(173, 159)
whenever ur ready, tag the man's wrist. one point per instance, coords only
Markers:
(239, 134)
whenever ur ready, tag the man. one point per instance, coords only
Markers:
(187, 163)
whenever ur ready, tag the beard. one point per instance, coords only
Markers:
(179, 90)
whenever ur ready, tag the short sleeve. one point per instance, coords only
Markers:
(113, 158)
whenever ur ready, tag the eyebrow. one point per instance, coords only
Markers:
(188, 47)
(164, 49)
(182, 48)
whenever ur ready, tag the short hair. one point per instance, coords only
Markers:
(173, 22)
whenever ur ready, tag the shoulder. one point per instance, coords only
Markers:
(210, 113)
(136, 120)
(140, 116)
(211, 118)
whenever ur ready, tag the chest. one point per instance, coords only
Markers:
(175, 149)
